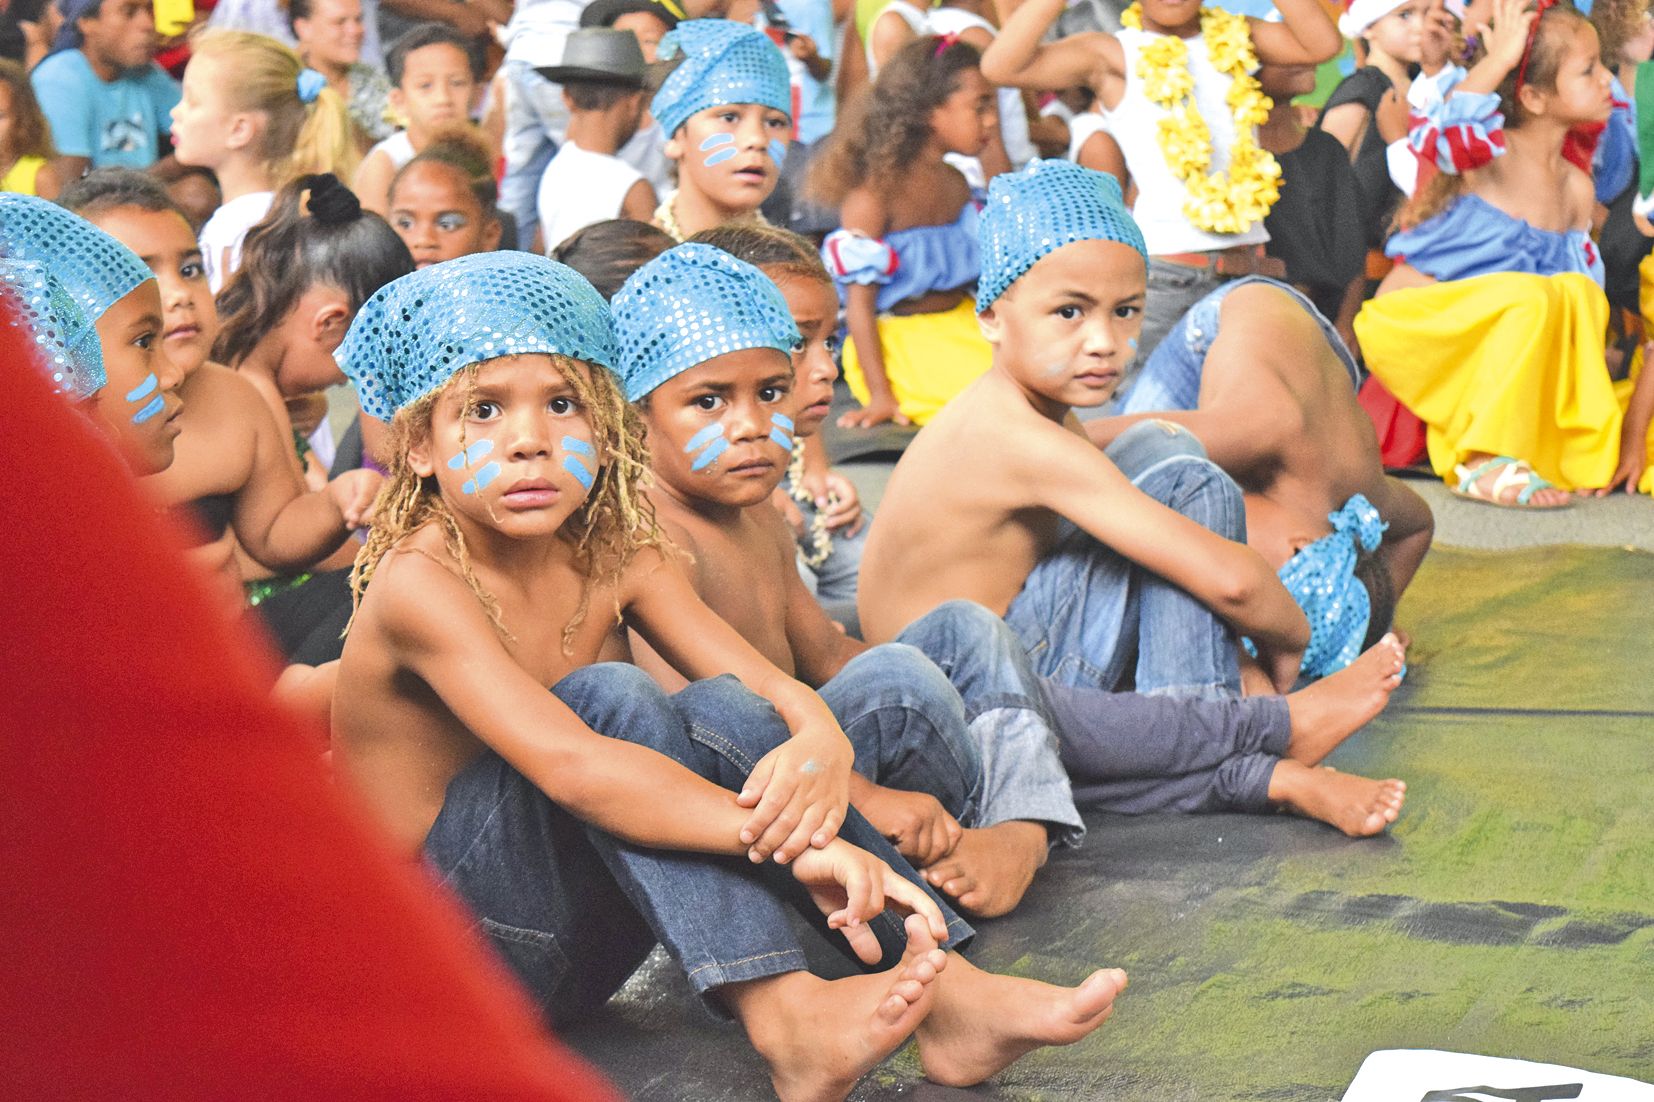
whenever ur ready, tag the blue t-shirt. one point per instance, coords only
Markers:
(116, 122)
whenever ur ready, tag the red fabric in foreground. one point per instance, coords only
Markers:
(189, 909)
(1401, 435)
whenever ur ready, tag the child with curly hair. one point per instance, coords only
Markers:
(905, 257)
(1178, 90)
(26, 149)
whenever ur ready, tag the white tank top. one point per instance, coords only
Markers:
(581, 187)
(911, 15)
(1135, 122)
(1081, 129)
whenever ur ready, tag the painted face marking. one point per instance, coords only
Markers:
(144, 389)
(712, 439)
(488, 473)
(1131, 343)
(471, 454)
(782, 433)
(778, 150)
(576, 466)
(728, 150)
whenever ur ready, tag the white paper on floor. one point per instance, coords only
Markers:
(1426, 1075)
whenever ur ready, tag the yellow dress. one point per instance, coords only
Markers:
(20, 178)
(1510, 363)
(928, 358)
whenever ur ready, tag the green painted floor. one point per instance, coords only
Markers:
(1510, 911)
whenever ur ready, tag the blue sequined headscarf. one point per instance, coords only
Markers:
(416, 332)
(724, 62)
(1321, 578)
(65, 340)
(1035, 212)
(95, 269)
(689, 305)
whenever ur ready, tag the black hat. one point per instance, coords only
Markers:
(603, 13)
(600, 54)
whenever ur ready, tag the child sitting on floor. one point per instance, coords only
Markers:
(258, 118)
(1249, 370)
(1177, 89)
(433, 78)
(1116, 569)
(509, 542)
(719, 415)
(602, 79)
(726, 110)
(110, 356)
(822, 506)
(1491, 327)
(443, 202)
(232, 482)
(906, 256)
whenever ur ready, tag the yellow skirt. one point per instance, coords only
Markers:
(1505, 364)
(928, 358)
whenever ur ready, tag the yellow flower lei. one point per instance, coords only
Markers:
(1218, 202)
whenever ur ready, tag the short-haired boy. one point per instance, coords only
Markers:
(1119, 569)
(602, 79)
(706, 351)
(434, 78)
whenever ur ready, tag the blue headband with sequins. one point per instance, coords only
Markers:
(724, 62)
(95, 269)
(64, 338)
(1321, 578)
(1035, 212)
(418, 331)
(689, 305)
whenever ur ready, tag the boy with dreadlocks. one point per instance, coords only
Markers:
(509, 538)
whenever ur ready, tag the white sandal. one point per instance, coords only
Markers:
(1512, 472)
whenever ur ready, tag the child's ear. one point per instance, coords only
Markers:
(674, 146)
(419, 454)
(398, 102)
(491, 235)
(329, 323)
(242, 132)
(988, 322)
(1533, 100)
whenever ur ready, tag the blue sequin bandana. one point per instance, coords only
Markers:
(689, 305)
(65, 340)
(1035, 212)
(416, 332)
(1321, 578)
(723, 63)
(93, 267)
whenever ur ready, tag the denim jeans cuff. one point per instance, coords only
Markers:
(706, 978)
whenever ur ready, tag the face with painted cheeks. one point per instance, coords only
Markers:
(510, 448)
(1067, 328)
(814, 307)
(732, 154)
(138, 406)
(722, 431)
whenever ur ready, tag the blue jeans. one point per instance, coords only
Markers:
(1171, 378)
(535, 122)
(986, 670)
(1089, 616)
(574, 910)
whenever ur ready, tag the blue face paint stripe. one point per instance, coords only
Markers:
(144, 389)
(156, 404)
(719, 157)
(778, 150)
(716, 140)
(575, 444)
(782, 438)
(710, 456)
(1131, 343)
(782, 420)
(488, 473)
(471, 454)
(582, 474)
(704, 437)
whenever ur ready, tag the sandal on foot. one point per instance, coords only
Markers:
(1512, 472)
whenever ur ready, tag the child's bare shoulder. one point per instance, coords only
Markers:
(418, 591)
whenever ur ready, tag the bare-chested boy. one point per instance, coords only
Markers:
(1265, 383)
(1117, 570)
(976, 749)
(507, 543)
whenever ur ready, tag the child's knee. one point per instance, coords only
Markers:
(740, 724)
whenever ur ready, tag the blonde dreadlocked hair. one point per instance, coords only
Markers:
(615, 522)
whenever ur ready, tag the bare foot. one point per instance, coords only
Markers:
(1355, 805)
(983, 1023)
(1340, 704)
(820, 1036)
(990, 869)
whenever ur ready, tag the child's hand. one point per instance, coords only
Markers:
(1394, 116)
(1629, 472)
(790, 513)
(803, 47)
(353, 492)
(876, 412)
(851, 886)
(798, 794)
(916, 824)
(844, 511)
(1506, 39)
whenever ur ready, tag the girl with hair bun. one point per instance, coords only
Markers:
(258, 118)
